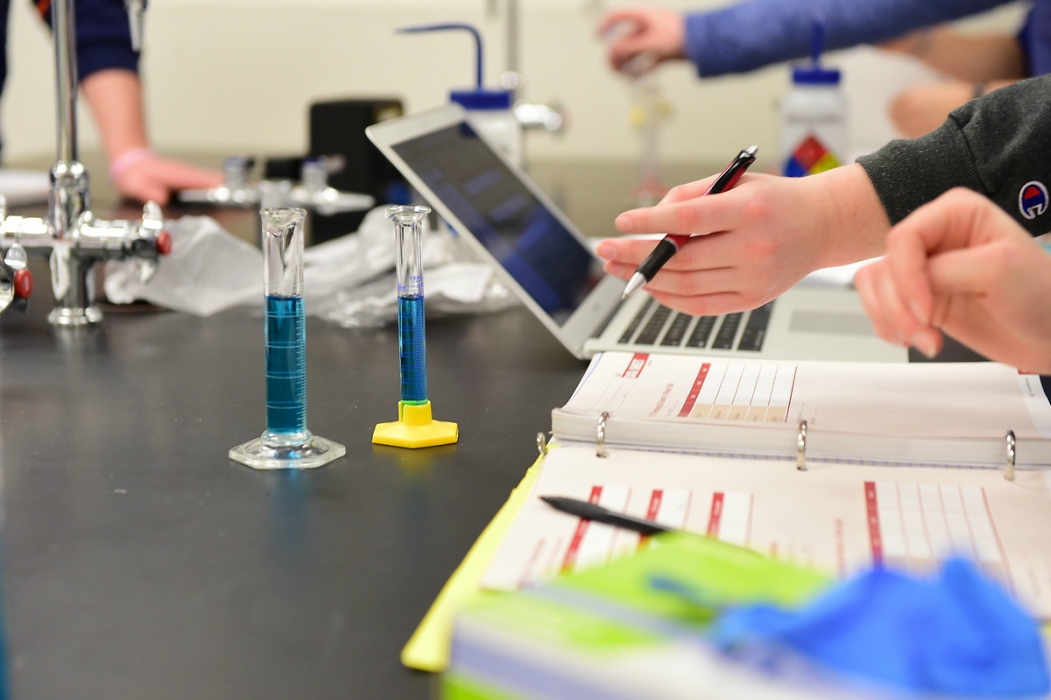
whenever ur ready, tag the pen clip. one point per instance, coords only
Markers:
(733, 172)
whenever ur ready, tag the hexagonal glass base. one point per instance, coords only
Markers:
(267, 453)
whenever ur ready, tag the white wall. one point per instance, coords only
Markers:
(237, 75)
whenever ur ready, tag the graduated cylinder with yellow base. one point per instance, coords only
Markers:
(415, 426)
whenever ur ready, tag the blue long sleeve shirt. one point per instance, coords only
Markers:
(103, 36)
(756, 33)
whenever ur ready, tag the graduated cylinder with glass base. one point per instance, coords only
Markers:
(286, 443)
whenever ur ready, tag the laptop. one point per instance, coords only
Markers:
(550, 265)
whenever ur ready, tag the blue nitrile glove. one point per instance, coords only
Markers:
(957, 634)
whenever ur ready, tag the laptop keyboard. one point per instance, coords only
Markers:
(673, 329)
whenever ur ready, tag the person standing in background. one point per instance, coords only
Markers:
(107, 69)
(756, 33)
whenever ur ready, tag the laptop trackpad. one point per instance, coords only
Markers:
(830, 322)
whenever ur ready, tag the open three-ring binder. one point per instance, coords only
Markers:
(920, 473)
(977, 415)
(836, 466)
(1010, 443)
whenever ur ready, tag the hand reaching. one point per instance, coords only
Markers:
(963, 266)
(659, 32)
(762, 237)
(150, 177)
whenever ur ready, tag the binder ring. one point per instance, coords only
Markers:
(1009, 470)
(600, 436)
(541, 443)
(801, 447)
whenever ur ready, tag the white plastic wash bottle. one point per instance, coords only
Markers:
(813, 117)
(490, 111)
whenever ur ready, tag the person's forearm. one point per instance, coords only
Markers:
(855, 219)
(979, 59)
(756, 33)
(115, 98)
(972, 59)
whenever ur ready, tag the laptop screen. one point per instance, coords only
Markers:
(551, 264)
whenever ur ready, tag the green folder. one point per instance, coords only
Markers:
(593, 626)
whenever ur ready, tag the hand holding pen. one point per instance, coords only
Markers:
(763, 236)
(671, 243)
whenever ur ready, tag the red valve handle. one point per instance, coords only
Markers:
(23, 283)
(163, 244)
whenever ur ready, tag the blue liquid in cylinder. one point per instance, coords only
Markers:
(411, 345)
(286, 369)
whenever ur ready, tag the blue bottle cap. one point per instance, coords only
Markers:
(484, 100)
(815, 75)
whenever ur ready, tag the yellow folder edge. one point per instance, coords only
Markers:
(428, 648)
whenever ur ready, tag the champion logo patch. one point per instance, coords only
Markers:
(1032, 199)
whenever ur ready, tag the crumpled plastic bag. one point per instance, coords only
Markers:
(345, 279)
(208, 270)
(956, 634)
(349, 261)
(344, 283)
(449, 289)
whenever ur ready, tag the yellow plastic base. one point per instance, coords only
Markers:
(416, 428)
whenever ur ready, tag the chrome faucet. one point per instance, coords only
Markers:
(71, 238)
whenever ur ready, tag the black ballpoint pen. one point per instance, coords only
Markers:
(592, 511)
(670, 244)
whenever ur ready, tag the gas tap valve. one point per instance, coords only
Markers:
(73, 255)
(16, 284)
(314, 193)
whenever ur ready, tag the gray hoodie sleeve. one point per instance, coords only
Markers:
(998, 145)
